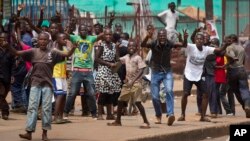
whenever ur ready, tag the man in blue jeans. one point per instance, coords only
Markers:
(161, 72)
(83, 63)
(43, 60)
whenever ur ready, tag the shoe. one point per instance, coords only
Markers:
(94, 117)
(158, 120)
(230, 114)
(5, 117)
(85, 114)
(114, 124)
(72, 112)
(135, 112)
(110, 117)
(44, 137)
(171, 120)
(100, 118)
(124, 112)
(65, 116)
(198, 114)
(25, 136)
(247, 110)
(205, 119)
(182, 118)
(60, 121)
(213, 115)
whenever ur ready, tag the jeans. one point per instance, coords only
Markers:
(156, 79)
(199, 99)
(212, 95)
(238, 82)
(25, 96)
(221, 91)
(45, 95)
(88, 81)
(4, 89)
(201, 90)
(230, 97)
(16, 91)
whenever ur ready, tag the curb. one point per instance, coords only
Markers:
(178, 93)
(194, 134)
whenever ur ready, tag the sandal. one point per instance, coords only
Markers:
(171, 120)
(110, 117)
(114, 124)
(205, 119)
(44, 137)
(145, 126)
(158, 120)
(100, 118)
(182, 118)
(213, 115)
(58, 121)
(247, 111)
(25, 136)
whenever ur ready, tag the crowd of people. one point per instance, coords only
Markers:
(45, 66)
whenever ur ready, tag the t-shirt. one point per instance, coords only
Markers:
(209, 65)
(43, 62)
(238, 52)
(161, 55)
(170, 18)
(82, 57)
(247, 59)
(133, 64)
(6, 64)
(28, 64)
(60, 68)
(26, 38)
(220, 73)
(195, 61)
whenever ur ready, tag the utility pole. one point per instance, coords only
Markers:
(209, 9)
(223, 18)
(178, 3)
(106, 15)
(237, 17)
(1, 10)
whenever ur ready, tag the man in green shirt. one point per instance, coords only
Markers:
(82, 70)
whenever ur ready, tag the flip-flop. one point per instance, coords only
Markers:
(158, 120)
(66, 121)
(247, 110)
(205, 119)
(182, 118)
(145, 126)
(60, 121)
(114, 124)
(171, 120)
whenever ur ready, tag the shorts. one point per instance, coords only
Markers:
(133, 93)
(60, 86)
(187, 86)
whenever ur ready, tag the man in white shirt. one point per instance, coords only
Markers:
(196, 55)
(169, 18)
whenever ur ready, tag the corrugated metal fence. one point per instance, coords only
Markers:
(32, 8)
(237, 17)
